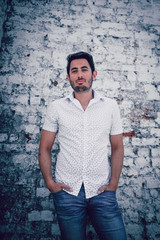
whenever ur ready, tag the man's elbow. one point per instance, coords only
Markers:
(44, 150)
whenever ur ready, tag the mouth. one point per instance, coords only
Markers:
(80, 81)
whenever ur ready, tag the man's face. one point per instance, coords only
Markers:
(80, 75)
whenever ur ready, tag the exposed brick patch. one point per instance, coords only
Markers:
(136, 44)
(55, 83)
(28, 137)
(129, 134)
(143, 113)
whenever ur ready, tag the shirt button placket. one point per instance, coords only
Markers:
(84, 145)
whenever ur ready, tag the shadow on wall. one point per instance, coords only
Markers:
(19, 174)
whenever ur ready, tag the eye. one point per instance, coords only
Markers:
(84, 70)
(74, 71)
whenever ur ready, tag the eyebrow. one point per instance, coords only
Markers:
(75, 68)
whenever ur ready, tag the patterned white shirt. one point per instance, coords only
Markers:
(83, 138)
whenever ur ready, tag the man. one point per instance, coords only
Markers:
(84, 183)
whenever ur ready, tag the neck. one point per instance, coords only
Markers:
(84, 98)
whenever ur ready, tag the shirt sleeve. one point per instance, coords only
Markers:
(116, 127)
(51, 118)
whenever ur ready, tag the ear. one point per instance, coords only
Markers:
(68, 78)
(94, 74)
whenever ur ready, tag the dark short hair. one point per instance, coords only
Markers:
(80, 55)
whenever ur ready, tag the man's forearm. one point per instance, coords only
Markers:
(116, 166)
(45, 165)
(47, 140)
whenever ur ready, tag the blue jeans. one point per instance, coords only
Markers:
(102, 210)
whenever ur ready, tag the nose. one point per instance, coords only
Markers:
(80, 75)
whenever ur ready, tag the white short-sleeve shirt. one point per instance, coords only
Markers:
(83, 138)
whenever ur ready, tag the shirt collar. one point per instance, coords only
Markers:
(96, 98)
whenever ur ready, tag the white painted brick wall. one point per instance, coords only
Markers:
(123, 37)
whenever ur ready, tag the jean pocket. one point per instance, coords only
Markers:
(109, 196)
(110, 193)
(57, 193)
